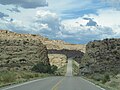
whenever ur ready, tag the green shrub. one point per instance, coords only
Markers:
(53, 68)
(36, 75)
(106, 78)
(42, 68)
(97, 77)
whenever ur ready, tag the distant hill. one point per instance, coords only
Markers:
(101, 56)
(21, 51)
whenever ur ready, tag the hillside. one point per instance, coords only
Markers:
(102, 57)
(28, 48)
(21, 51)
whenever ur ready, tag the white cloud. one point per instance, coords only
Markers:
(84, 34)
(42, 22)
(14, 25)
(107, 17)
(49, 19)
(74, 22)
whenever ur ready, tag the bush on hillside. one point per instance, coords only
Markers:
(106, 78)
(42, 68)
(53, 68)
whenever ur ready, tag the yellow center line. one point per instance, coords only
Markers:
(56, 85)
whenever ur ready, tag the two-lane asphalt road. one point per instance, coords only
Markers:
(67, 82)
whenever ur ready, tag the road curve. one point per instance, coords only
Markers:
(67, 82)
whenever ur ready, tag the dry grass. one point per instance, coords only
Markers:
(113, 84)
(8, 78)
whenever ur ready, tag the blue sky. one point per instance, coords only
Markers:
(74, 21)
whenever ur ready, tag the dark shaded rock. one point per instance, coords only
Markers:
(75, 54)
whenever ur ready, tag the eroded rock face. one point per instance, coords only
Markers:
(20, 51)
(60, 45)
(75, 54)
(102, 56)
(58, 60)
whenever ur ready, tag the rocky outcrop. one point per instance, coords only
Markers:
(75, 54)
(60, 45)
(101, 57)
(21, 51)
(58, 60)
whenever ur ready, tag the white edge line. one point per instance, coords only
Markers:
(24, 83)
(93, 84)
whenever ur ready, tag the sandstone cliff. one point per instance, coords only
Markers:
(58, 60)
(101, 57)
(60, 45)
(75, 54)
(21, 51)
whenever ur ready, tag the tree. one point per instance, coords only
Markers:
(41, 68)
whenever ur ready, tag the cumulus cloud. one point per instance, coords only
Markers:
(3, 15)
(108, 18)
(44, 23)
(104, 24)
(25, 3)
(49, 20)
(84, 34)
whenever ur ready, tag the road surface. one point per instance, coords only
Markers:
(67, 82)
(69, 68)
